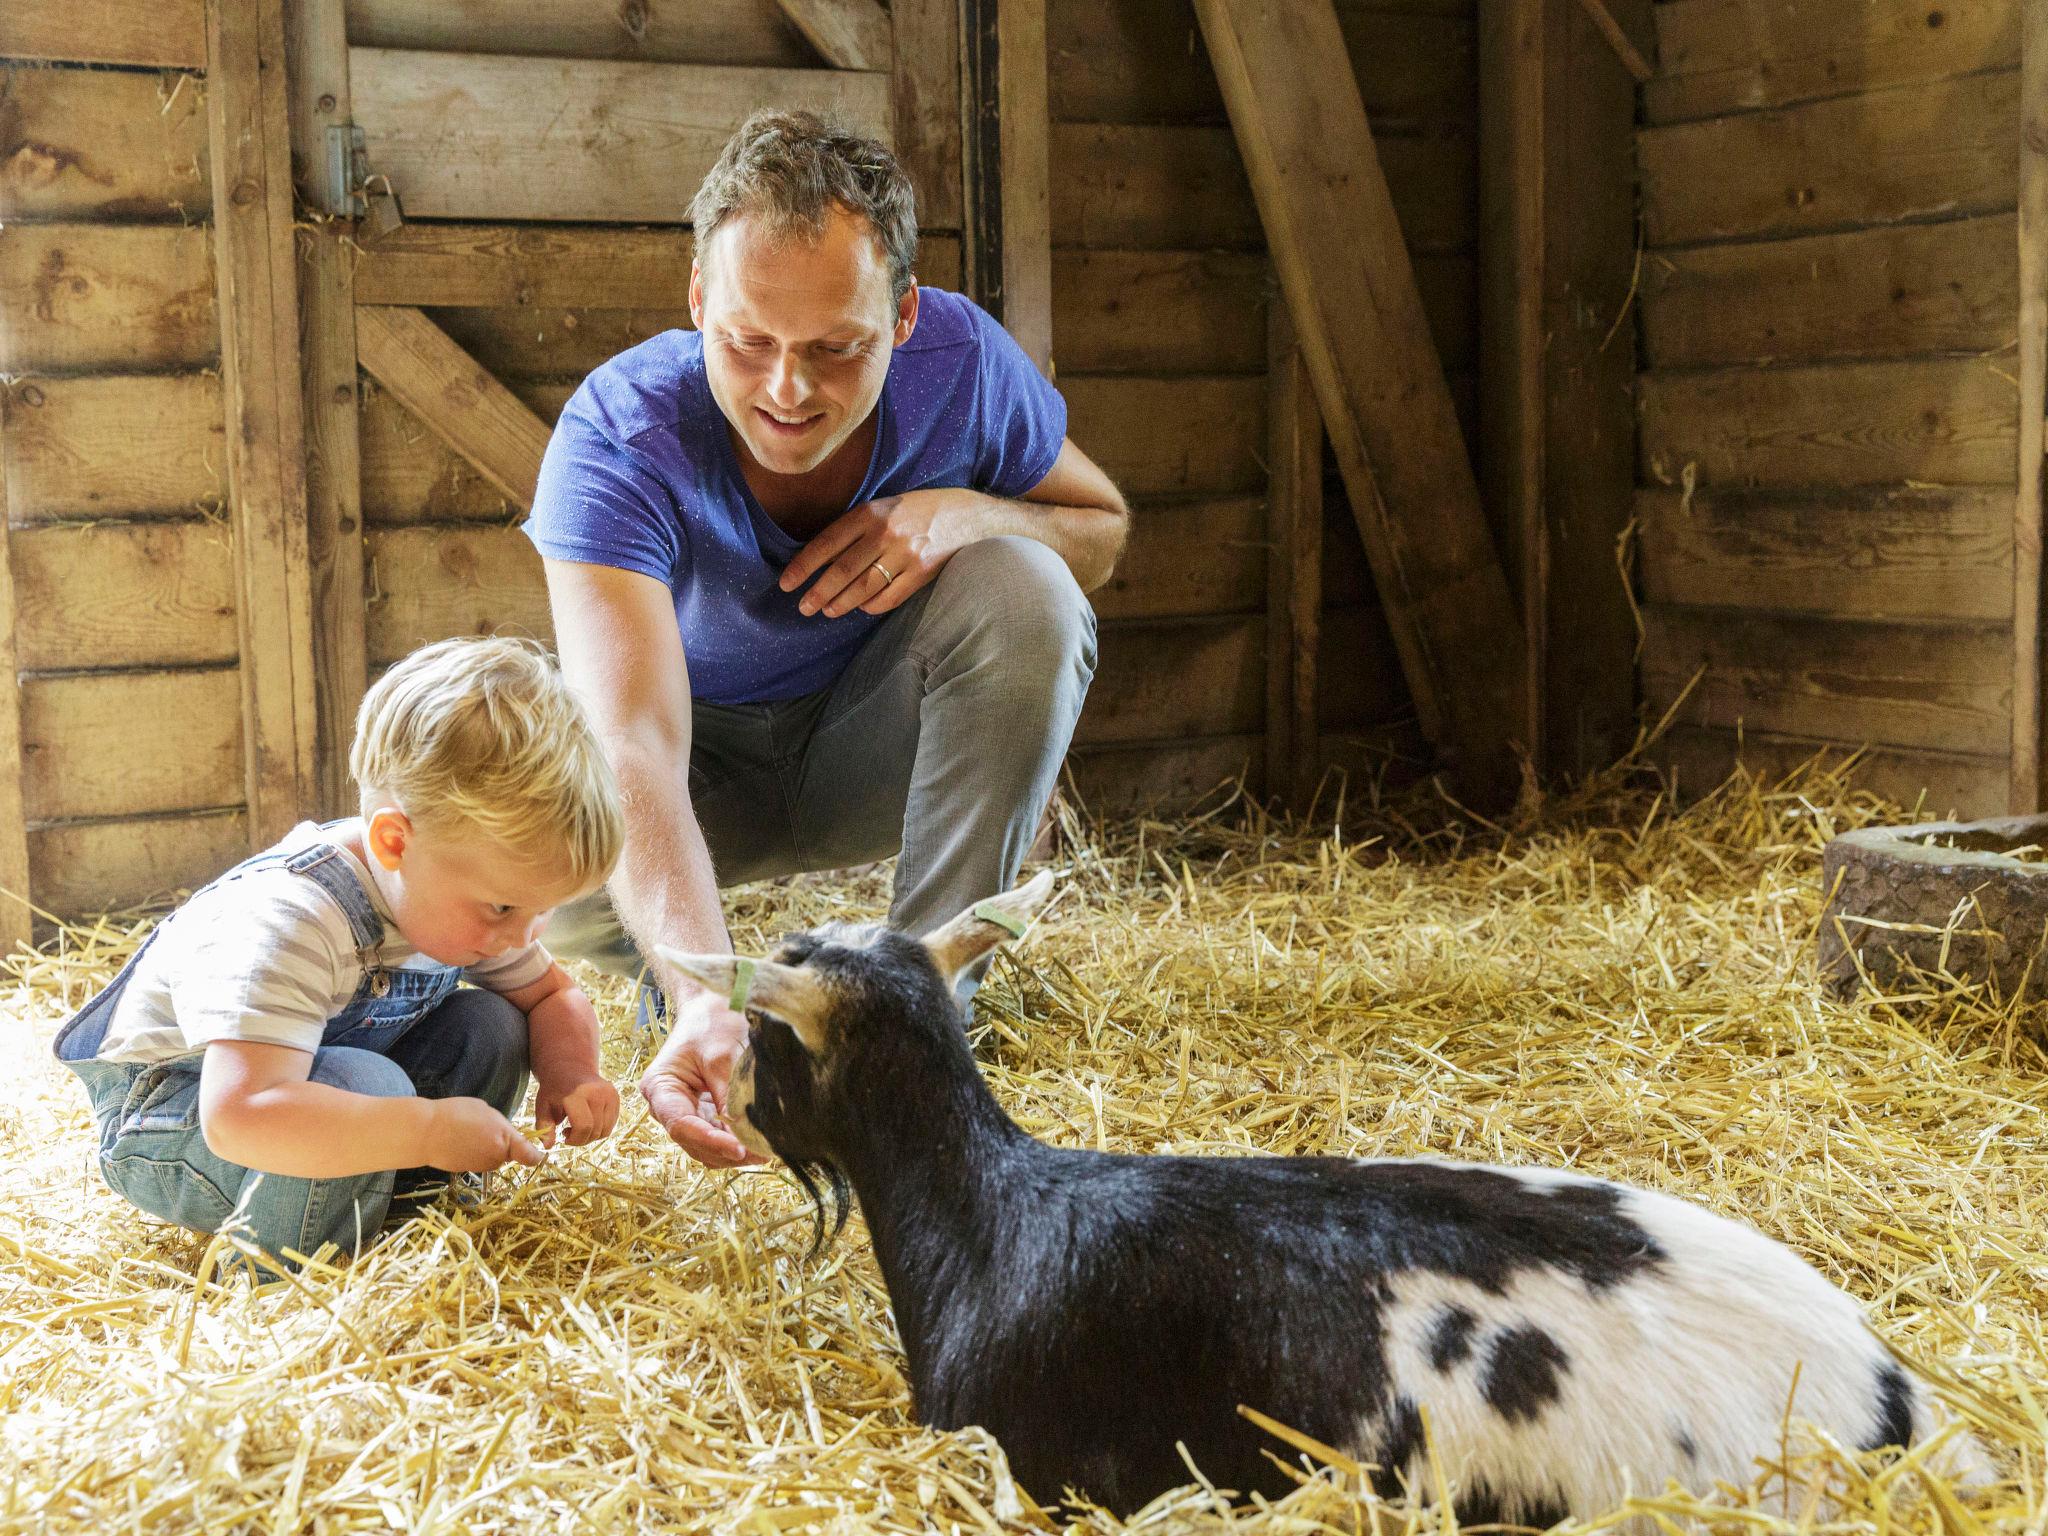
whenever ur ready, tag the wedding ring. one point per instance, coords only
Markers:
(887, 574)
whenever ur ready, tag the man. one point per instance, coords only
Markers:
(816, 571)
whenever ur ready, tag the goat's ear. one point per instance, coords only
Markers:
(791, 993)
(986, 924)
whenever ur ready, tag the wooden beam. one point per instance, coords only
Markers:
(1294, 570)
(848, 34)
(924, 94)
(1024, 128)
(261, 379)
(1630, 29)
(1323, 201)
(468, 409)
(167, 36)
(482, 136)
(17, 917)
(2029, 738)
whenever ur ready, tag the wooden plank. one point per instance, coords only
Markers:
(662, 31)
(409, 475)
(1160, 778)
(1928, 555)
(1945, 421)
(1629, 29)
(924, 92)
(1189, 558)
(471, 411)
(80, 868)
(1918, 151)
(88, 143)
(1294, 597)
(16, 918)
(1358, 669)
(547, 343)
(1176, 678)
(101, 296)
(261, 382)
(1023, 130)
(528, 266)
(90, 447)
(80, 738)
(1159, 311)
(1197, 435)
(2029, 732)
(1337, 245)
(334, 506)
(1148, 187)
(1889, 292)
(473, 136)
(848, 34)
(430, 584)
(1717, 56)
(123, 595)
(171, 35)
(316, 42)
(1939, 784)
(1944, 687)
(1142, 61)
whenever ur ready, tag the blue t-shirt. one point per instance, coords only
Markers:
(641, 474)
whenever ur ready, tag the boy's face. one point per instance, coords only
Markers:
(797, 335)
(462, 900)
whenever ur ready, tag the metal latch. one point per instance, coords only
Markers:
(348, 171)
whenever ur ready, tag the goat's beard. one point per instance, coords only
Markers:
(810, 1175)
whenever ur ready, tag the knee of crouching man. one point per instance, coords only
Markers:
(1028, 595)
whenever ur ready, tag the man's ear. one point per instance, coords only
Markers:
(906, 315)
(696, 294)
(986, 924)
(786, 992)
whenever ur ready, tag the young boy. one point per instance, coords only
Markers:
(300, 1017)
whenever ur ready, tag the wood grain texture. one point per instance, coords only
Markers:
(468, 409)
(1022, 132)
(79, 739)
(106, 296)
(97, 144)
(410, 475)
(924, 93)
(473, 136)
(1189, 557)
(1902, 291)
(170, 35)
(1942, 687)
(1933, 421)
(124, 595)
(1930, 784)
(1162, 778)
(1941, 149)
(1194, 435)
(1176, 678)
(1719, 56)
(1881, 553)
(848, 34)
(752, 32)
(80, 868)
(432, 583)
(2029, 746)
(17, 924)
(1294, 592)
(89, 447)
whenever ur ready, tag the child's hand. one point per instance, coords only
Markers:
(591, 1108)
(468, 1136)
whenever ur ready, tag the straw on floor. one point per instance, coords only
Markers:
(621, 1341)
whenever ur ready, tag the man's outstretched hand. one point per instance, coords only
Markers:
(685, 1084)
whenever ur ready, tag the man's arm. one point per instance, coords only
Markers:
(622, 654)
(881, 552)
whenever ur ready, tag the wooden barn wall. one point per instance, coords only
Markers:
(1160, 287)
(121, 691)
(1828, 407)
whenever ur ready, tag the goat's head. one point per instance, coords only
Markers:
(840, 1013)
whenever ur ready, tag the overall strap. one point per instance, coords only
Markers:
(327, 867)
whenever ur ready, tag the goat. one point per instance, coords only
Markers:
(1570, 1341)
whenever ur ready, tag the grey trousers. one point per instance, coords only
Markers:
(942, 740)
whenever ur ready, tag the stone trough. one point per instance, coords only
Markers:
(1969, 898)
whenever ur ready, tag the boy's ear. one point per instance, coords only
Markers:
(986, 924)
(790, 993)
(386, 831)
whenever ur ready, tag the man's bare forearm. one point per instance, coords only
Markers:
(664, 888)
(1089, 539)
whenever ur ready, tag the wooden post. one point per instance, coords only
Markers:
(924, 89)
(1629, 29)
(1294, 579)
(1557, 364)
(1322, 196)
(2027, 730)
(17, 918)
(1027, 206)
(848, 34)
(318, 42)
(248, 129)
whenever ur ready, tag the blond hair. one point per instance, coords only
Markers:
(484, 736)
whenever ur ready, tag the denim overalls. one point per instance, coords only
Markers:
(152, 1150)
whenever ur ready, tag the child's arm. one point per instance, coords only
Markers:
(562, 1044)
(257, 1108)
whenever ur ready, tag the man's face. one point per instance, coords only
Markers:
(797, 335)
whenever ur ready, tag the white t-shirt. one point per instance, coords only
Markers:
(269, 957)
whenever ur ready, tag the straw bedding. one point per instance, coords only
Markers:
(621, 1341)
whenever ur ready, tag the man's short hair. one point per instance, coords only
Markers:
(791, 169)
(483, 737)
